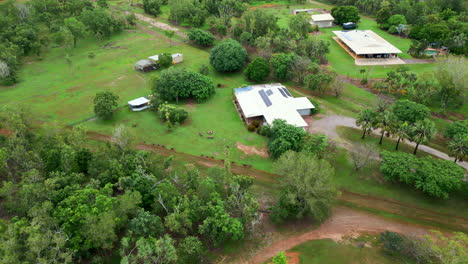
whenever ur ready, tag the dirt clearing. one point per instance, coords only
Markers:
(251, 150)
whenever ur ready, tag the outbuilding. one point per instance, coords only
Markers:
(139, 104)
(145, 65)
(322, 20)
(297, 11)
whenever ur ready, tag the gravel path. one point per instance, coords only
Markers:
(328, 124)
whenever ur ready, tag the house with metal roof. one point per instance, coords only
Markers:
(267, 102)
(366, 44)
(322, 20)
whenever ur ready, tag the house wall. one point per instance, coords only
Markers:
(304, 112)
(322, 24)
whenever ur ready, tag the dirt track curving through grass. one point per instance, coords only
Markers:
(344, 222)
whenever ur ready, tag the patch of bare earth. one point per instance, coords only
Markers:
(251, 150)
(293, 257)
(264, 6)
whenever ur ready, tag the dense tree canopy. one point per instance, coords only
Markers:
(284, 137)
(228, 56)
(105, 104)
(343, 14)
(409, 111)
(201, 37)
(178, 83)
(258, 70)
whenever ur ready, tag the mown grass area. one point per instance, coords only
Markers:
(370, 181)
(328, 251)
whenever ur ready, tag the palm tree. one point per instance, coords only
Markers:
(458, 147)
(422, 131)
(399, 130)
(384, 121)
(366, 120)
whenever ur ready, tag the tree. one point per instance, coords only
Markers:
(385, 121)
(145, 224)
(456, 128)
(319, 81)
(191, 250)
(396, 20)
(421, 132)
(450, 250)
(160, 250)
(366, 119)
(299, 25)
(306, 185)
(451, 74)
(228, 56)
(318, 145)
(315, 49)
(100, 22)
(401, 131)
(409, 111)
(152, 7)
(300, 68)
(383, 15)
(458, 147)
(281, 64)
(172, 114)
(259, 23)
(337, 87)
(219, 227)
(76, 28)
(201, 37)
(343, 14)
(165, 60)
(188, 11)
(362, 155)
(105, 104)
(258, 70)
(284, 137)
(175, 83)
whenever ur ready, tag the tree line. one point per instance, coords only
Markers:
(67, 203)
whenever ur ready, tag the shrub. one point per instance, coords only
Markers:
(281, 64)
(392, 241)
(285, 137)
(172, 113)
(201, 37)
(105, 104)
(204, 69)
(251, 128)
(315, 110)
(265, 131)
(165, 60)
(152, 7)
(228, 56)
(256, 123)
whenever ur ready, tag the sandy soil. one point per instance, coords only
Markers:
(251, 150)
(159, 24)
(344, 222)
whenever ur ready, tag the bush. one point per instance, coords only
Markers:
(228, 56)
(285, 137)
(281, 64)
(433, 176)
(201, 37)
(265, 131)
(256, 123)
(105, 104)
(204, 69)
(315, 110)
(172, 113)
(152, 7)
(343, 14)
(393, 242)
(165, 60)
(251, 127)
(258, 70)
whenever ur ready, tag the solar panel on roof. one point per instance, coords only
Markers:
(269, 92)
(282, 92)
(287, 91)
(265, 98)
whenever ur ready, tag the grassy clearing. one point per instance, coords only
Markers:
(328, 251)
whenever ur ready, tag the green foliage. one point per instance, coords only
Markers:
(175, 83)
(317, 145)
(161, 249)
(458, 147)
(190, 250)
(393, 242)
(343, 14)
(367, 119)
(258, 70)
(100, 22)
(152, 7)
(165, 60)
(201, 37)
(299, 25)
(188, 11)
(279, 259)
(251, 128)
(228, 56)
(284, 137)
(105, 104)
(102, 3)
(320, 80)
(456, 128)
(145, 224)
(315, 49)
(258, 22)
(281, 64)
(306, 187)
(409, 111)
(435, 177)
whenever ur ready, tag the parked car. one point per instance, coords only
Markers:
(349, 25)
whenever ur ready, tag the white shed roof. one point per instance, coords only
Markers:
(322, 17)
(272, 101)
(366, 42)
(139, 101)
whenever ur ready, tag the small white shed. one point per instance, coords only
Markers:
(322, 20)
(139, 104)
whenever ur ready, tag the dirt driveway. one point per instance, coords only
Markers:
(328, 125)
(344, 222)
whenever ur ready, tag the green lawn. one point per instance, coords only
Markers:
(330, 252)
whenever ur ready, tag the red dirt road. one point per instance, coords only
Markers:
(344, 222)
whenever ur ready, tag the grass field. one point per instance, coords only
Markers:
(330, 252)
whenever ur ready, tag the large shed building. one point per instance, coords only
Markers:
(267, 102)
(322, 20)
(366, 44)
